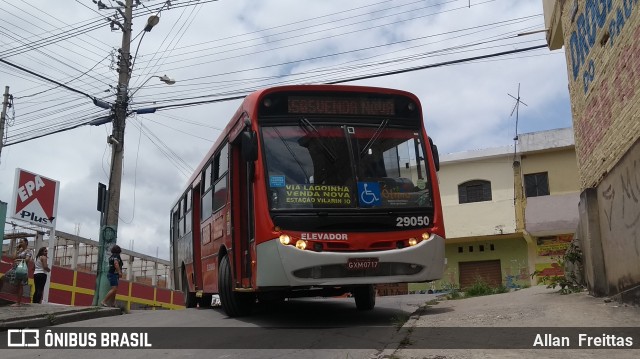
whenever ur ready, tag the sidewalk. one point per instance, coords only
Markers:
(535, 307)
(43, 315)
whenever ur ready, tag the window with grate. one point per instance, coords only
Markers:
(474, 191)
(536, 184)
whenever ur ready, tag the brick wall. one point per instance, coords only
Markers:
(603, 63)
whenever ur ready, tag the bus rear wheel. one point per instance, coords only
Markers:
(365, 297)
(190, 300)
(234, 304)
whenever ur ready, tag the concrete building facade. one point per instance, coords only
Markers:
(479, 213)
(600, 39)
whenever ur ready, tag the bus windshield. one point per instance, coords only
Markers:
(333, 166)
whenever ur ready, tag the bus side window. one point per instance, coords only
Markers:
(207, 191)
(221, 165)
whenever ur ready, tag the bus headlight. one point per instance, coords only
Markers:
(425, 236)
(413, 241)
(300, 244)
(285, 239)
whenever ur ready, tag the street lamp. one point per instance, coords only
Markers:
(152, 21)
(164, 78)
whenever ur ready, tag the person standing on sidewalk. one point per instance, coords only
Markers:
(40, 274)
(115, 271)
(19, 277)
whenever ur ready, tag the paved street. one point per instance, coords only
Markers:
(539, 308)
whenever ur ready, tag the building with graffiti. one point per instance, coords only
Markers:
(600, 41)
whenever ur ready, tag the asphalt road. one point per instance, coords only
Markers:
(307, 328)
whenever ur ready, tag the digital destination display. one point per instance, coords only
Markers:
(341, 106)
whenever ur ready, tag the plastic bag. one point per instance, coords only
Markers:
(21, 270)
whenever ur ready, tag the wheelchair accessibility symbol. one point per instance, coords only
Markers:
(369, 194)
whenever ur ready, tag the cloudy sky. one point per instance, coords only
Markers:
(226, 48)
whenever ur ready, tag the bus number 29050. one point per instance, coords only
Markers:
(412, 221)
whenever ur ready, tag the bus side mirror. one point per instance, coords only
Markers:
(436, 156)
(249, 146)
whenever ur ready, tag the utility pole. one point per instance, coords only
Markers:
(3, 116)
(109, 228)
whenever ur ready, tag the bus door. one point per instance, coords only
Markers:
(242, 209)
(192, 224)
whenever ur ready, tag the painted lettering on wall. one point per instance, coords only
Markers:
(616, 90)
(588, 26)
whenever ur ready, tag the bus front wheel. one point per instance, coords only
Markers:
(234, 304)
(365, 297)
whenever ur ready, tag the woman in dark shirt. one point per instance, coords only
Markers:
(115, 271)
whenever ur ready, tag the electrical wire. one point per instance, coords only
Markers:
(446, 63)
(46, 78)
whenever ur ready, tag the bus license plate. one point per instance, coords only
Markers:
(362, 263)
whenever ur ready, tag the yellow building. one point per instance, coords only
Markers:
(547, 204)
(508, 210)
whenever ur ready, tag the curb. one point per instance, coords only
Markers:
(46, 320)
(397, 341)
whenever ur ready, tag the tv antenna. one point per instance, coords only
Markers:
(516, 109)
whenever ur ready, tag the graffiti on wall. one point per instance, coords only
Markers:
(553, 246)
(516, 275)
(622, 207)
(549, 270)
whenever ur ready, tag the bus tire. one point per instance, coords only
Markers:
(234, 304)
(365, 297)
(190, 300)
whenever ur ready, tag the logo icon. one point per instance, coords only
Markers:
(23, 338)
(35, 198)
(369, 194)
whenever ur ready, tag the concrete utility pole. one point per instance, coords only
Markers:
(3, 117)
(109, 229)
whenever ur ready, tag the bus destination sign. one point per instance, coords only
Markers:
(320, 105)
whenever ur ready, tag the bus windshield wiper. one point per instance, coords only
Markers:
(374, 138)
(304, 125)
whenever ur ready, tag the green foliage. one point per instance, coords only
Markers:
(452, 290)
(432, 302)
(406, 342)
(399, 320)
(569, 282)
(481, 287)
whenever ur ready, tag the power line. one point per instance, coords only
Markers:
(46, 79)
(446, 63)
(389, 73)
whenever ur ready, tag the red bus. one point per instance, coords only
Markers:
(311, 190)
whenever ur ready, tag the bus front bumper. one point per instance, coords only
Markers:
(286, 266)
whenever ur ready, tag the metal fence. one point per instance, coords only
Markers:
(81, 254)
